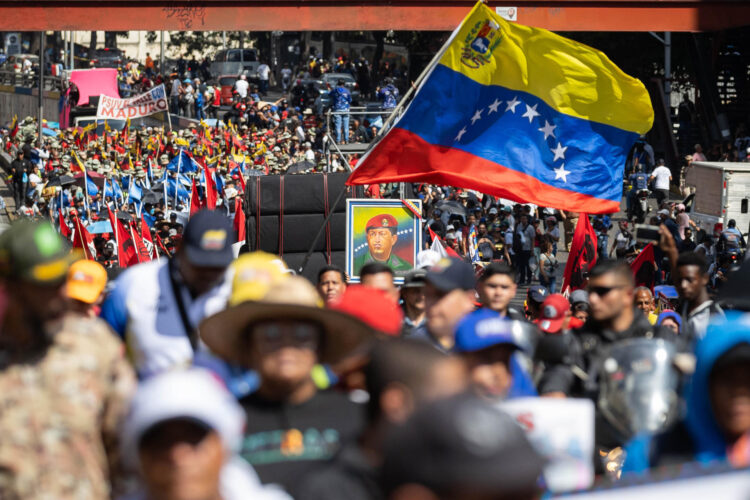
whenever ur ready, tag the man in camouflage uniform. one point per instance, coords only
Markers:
(64, 382)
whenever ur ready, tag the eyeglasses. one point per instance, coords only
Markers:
(277, 335)
(602, 291)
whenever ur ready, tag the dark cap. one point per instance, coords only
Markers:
(208, 239)
(35, 253)
(382, 220)
(415, 279)
(537, 293)
(451, 274)
(458, 442)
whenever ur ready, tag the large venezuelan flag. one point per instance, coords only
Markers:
(517, 112)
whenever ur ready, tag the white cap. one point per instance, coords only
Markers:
(427, 259)
(194, 393)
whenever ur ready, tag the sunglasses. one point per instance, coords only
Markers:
(602, 291)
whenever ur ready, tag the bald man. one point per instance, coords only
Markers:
(644, 300)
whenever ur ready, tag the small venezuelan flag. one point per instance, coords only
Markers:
(517, 112)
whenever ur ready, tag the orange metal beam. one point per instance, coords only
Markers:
(347, 15)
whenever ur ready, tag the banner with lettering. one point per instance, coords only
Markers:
(153, 101)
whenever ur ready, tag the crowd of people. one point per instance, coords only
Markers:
(148, 172)
(242, 380)
(170, 369)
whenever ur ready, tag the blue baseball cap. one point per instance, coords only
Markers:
(481, 329)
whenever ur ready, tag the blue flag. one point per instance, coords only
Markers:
(183, 163)
(91, 187)
(135, 192)
(182, 193)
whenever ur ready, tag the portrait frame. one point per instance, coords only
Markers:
(408, 231)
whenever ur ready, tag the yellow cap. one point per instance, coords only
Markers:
(86, 281)
(254, 274)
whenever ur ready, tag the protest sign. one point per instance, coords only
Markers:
(153, 101)
(562, 430)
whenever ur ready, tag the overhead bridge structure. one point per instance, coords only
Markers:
(349, 15)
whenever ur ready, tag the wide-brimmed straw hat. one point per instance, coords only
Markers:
(294, 298)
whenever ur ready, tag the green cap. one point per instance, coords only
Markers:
(34, 252)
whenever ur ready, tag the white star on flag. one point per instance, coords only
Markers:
(494, 105)
(460, 134)
(548, 129)
(511, 106)
(477, 116)
(561, 173)
(531, 112)
(559, 152)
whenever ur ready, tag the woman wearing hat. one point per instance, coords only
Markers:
(292, 426)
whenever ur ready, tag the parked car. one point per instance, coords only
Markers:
(235, 62)
(108, 58)
(329, 80)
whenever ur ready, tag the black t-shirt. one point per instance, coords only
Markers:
(284, 442)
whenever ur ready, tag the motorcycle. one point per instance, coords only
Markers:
(640, 205)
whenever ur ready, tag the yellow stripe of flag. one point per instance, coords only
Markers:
(571, 77)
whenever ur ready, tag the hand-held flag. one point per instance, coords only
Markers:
(582, 256)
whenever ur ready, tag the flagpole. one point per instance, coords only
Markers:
(137, 250)
(84, 245)
(177, 179)
(86, 193)
(117, 238)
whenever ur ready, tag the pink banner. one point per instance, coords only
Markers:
(94, 82)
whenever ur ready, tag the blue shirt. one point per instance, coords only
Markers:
(341, 98)
(389, 96)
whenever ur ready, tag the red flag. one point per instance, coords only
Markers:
(243, 185)
(644, 267)
(195, 200)
(64, 229)
(141, 251)
(161, 245)
(83, 240)
(146, 235)
(210, 189)
(582, 255)
(125, 247)
(239, 219)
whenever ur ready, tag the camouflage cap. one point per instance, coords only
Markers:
(35, 253)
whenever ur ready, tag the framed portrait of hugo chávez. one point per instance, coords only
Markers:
(387, 231)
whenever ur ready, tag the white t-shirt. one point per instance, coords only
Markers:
(300, 133)
(661, 175)
(242, 86)
(264, 71)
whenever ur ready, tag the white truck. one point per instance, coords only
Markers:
(721, 193)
